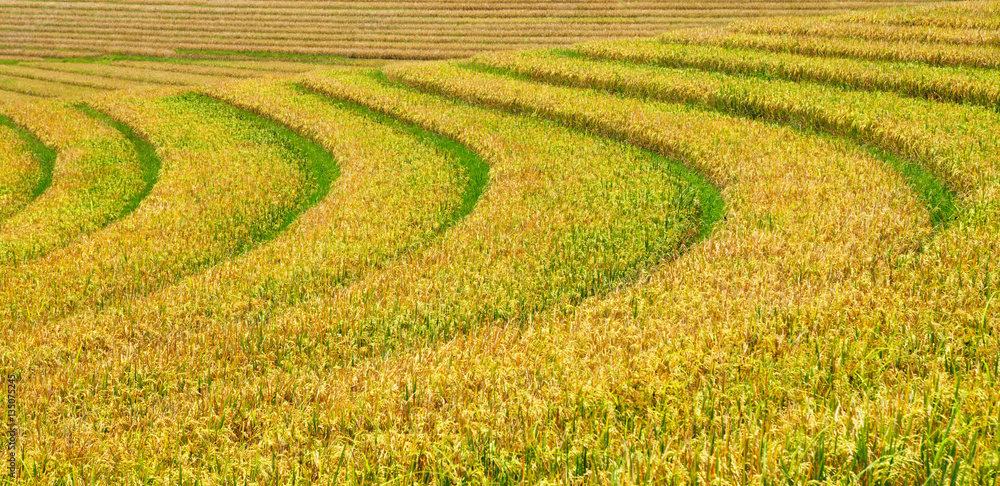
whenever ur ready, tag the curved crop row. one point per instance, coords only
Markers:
(913, 342)
(964, 85)
(27, 72)
(980, 14)
(556, 198)
(23, 170)
(228, 180)
(483, 408)
(99, 175)
(32, 89)
(532, 216)
(837, 27)
(872, 50)
(842, 112)
(398, 187)
(117, 74)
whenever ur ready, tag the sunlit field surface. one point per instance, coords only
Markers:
(763, 251)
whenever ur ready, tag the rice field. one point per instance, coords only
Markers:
(720, 251)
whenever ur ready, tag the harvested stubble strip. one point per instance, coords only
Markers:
(958, 84)
(98, 176)
(797, 202)
(43, 89)
(72, 79)
(933, 54)
(931, 315)
(129, 74)
(228, 180)
(21, 170)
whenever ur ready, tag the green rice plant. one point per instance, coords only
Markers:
(870, 50)
(99, 175)
(24, 168)
(228, 181)
(958, 84)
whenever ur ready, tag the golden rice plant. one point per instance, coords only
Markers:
(981, 15)
(32, 89)
(770, 348)
(519, 253)
(958, 84)
(37, 73)
(398, 187)
(144, 75)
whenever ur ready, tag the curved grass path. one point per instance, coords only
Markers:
(100, 175)
(229, 180)
(25, 167)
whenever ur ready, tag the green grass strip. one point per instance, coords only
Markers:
(934, 193)
(45, 155)
(476, 168)
(148, 159)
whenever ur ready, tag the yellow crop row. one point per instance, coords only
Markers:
(398, 187)
(979, 14)
(919, 302)
(963, 85)
(835, 27)
(515, 401)
(874, 50)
